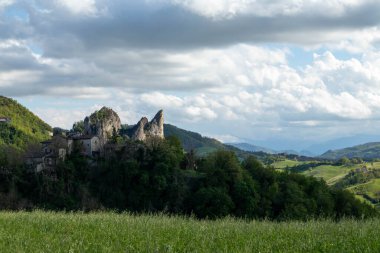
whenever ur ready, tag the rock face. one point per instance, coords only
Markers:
(145, 129)
(102, 123)
(105, 122)
(138, 132)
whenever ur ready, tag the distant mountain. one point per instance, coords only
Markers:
(306, 153)
(341, 143)
(366, 151)
(252, 148)
(19, 126)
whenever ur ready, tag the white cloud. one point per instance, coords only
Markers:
(357, 42)
(5, 3)
(22, 77)
(86, 7)
(218, 9)
(238, 83)
(195, 113)
(225, 138)
(81, 92)
(161, 100)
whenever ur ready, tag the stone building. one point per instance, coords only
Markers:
(58, 147)
(89, 146)
(52, 152)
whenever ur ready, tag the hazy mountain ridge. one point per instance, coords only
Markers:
(369, 150)
(341, 143)
(253, 148)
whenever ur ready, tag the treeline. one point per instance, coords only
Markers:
(157, 176)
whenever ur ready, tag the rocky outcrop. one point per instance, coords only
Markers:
(102, 123)
(145, 129)
(156, 126)
(138, 132)
(105, 122)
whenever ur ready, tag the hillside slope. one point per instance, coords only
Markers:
(191, 140)
(366, 151)
(252, 148)
(205, 145)
(24, 127)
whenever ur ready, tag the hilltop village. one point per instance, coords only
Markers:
(96, 136)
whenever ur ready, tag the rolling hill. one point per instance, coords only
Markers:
(205, 145)
(24, 127)
(191, 140)
(365, 151)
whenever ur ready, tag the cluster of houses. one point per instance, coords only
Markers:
(59, 146)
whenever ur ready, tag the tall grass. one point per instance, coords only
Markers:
(109, 232)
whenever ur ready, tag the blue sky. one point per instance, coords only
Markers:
(285, 74)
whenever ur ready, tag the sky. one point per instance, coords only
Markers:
(280, 73)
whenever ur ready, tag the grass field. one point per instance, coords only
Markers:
(286, 163)
(374, 165)
(109, 232)
(371, 188)
(330, 173)
(333, 173)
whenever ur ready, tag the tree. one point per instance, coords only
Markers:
(78, 127)
(212, 202)
(344, 161)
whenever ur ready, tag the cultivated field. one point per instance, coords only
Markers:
(109, 232)
(286, 163)
(330, 173)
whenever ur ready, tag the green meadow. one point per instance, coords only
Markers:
(286, 163)
(330, 173)
(371, 188)
(109, 232)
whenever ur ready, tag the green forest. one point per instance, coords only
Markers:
(158, 176)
